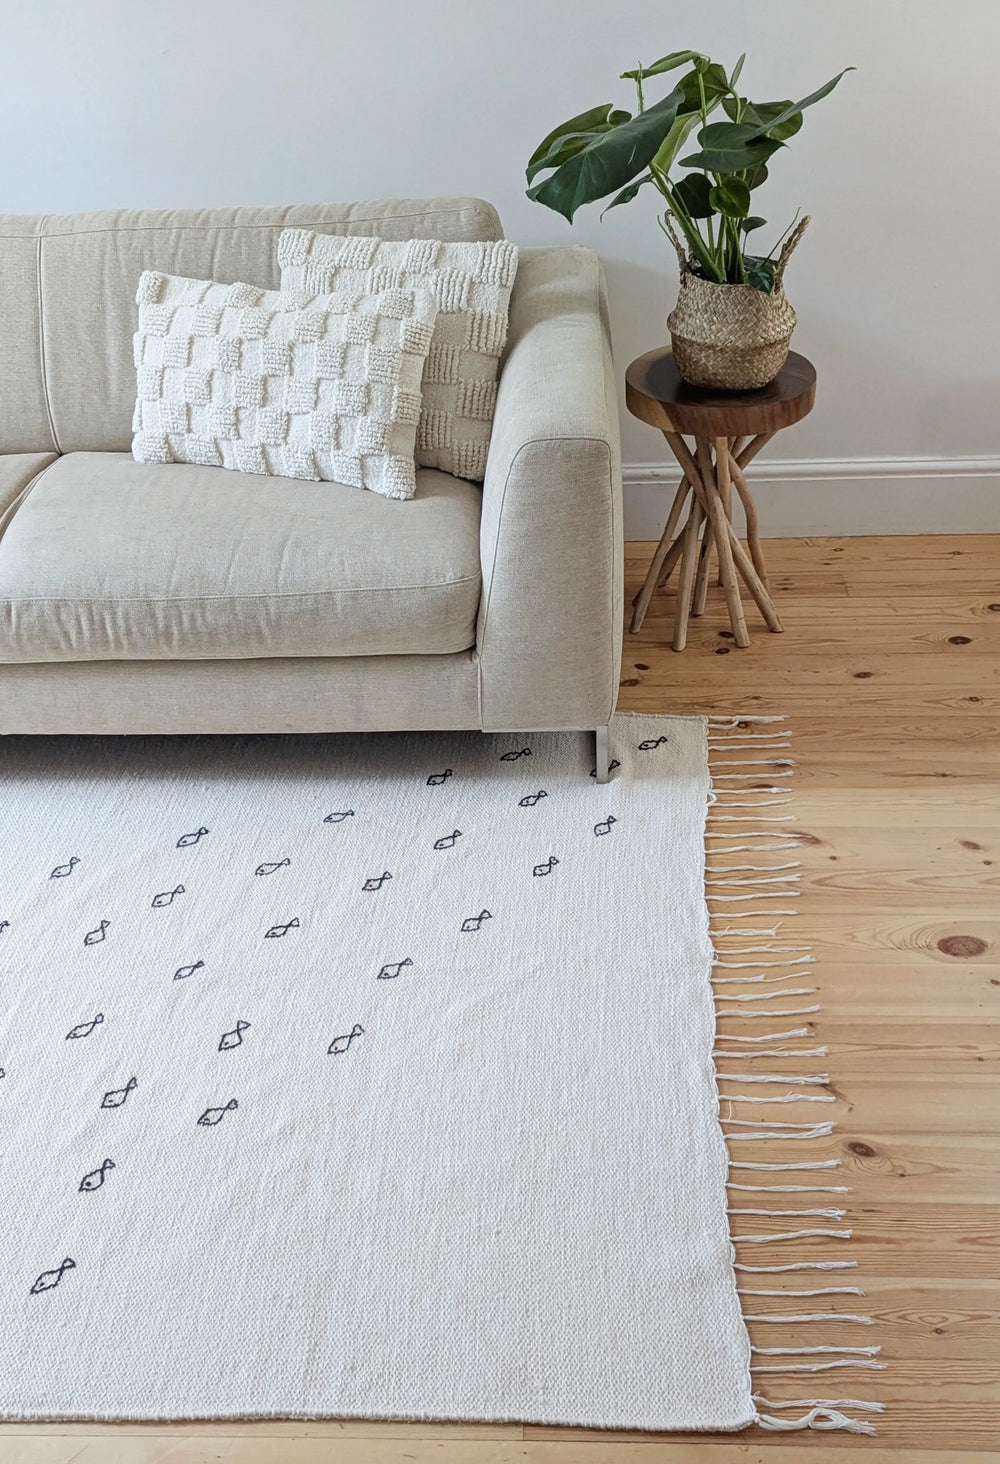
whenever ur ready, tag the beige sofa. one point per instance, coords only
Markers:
(138, 598)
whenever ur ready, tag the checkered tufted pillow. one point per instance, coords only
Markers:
(295, 384)
(472, 284)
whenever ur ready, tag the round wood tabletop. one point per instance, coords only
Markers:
(655, 393)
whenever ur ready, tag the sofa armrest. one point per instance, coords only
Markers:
(550, 619)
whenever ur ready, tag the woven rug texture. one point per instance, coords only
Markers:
(363, 1076)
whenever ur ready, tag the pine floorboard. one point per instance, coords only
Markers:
(889, 673)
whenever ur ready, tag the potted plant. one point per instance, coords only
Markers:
(732, 324)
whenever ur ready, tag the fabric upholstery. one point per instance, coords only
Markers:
(111, 559)
(551, 539)
(67, 291)
(281, 382)
(16, 472)
(472, 285)
(292, 694)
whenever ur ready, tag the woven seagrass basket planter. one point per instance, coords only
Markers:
(731, 337)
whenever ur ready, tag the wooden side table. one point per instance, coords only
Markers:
(729, 429)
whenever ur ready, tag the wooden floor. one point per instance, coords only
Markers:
(889, 671)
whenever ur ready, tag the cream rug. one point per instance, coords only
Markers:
(365, 1077)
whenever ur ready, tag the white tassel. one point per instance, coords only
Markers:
(781, 1098)
(813, 1317)
(826, 1214)
(797, 1266)
(763, 965)
(791, 1235)
(815, 1367)
(791, 842)
(776, 1123)
(771, 1052)
(802, 956)
(824, 1347)
(770, 1036)
(790, 1012)
(742, 931)
(816, 1079)
(735, 721)
(818, 1291)
(819, 1132)
(757, 980)
(820, 1418)
(805, 1164)
(777, 879)
(859, 1403)
(790, 1189)
(751, 818)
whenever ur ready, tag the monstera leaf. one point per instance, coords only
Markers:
(567, 140)
(608, 159)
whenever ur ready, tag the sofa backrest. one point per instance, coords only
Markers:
(67, 296)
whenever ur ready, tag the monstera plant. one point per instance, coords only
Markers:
(609, 153)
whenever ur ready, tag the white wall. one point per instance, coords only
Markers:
(897, 284)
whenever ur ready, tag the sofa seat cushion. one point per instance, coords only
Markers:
(16, 471)
(109, 559)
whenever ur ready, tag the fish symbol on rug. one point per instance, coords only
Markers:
(650, 744)
(183, 972)
(232, 1039)
(212, 1116)
(48, 1279)
(270, 868)
(547, 867)
(436, 779)
(339, 1045)
(377, 881)
(117, 1096)
(95, 1178)
(85, 1028)
(390, 972)
(186, 840)
(532, 799)
(449, 841)
(61, 870)
(339, 817)
(475, 922)
(604, 827)
(614, 763)
(4, 925)
(95, 936)
(167, 897)
(513, 756)
(277, 931)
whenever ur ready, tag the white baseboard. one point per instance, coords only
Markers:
(844, 497)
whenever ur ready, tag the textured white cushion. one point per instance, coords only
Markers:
(294, 384)
(472, 284)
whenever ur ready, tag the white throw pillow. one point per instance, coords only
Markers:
(472, 285)
(292, 384)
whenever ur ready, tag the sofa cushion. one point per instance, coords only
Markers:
(472, 285)
(16, 471)
(109, 559)
(280, 382)
(67, 296)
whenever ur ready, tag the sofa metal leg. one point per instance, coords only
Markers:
(601, 739)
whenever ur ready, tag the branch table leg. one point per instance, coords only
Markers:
(688, 566)
(658, 564)
(704, 564)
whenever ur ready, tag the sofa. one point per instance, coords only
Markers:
(174, 598)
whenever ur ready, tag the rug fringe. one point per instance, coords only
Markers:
(749, 766)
